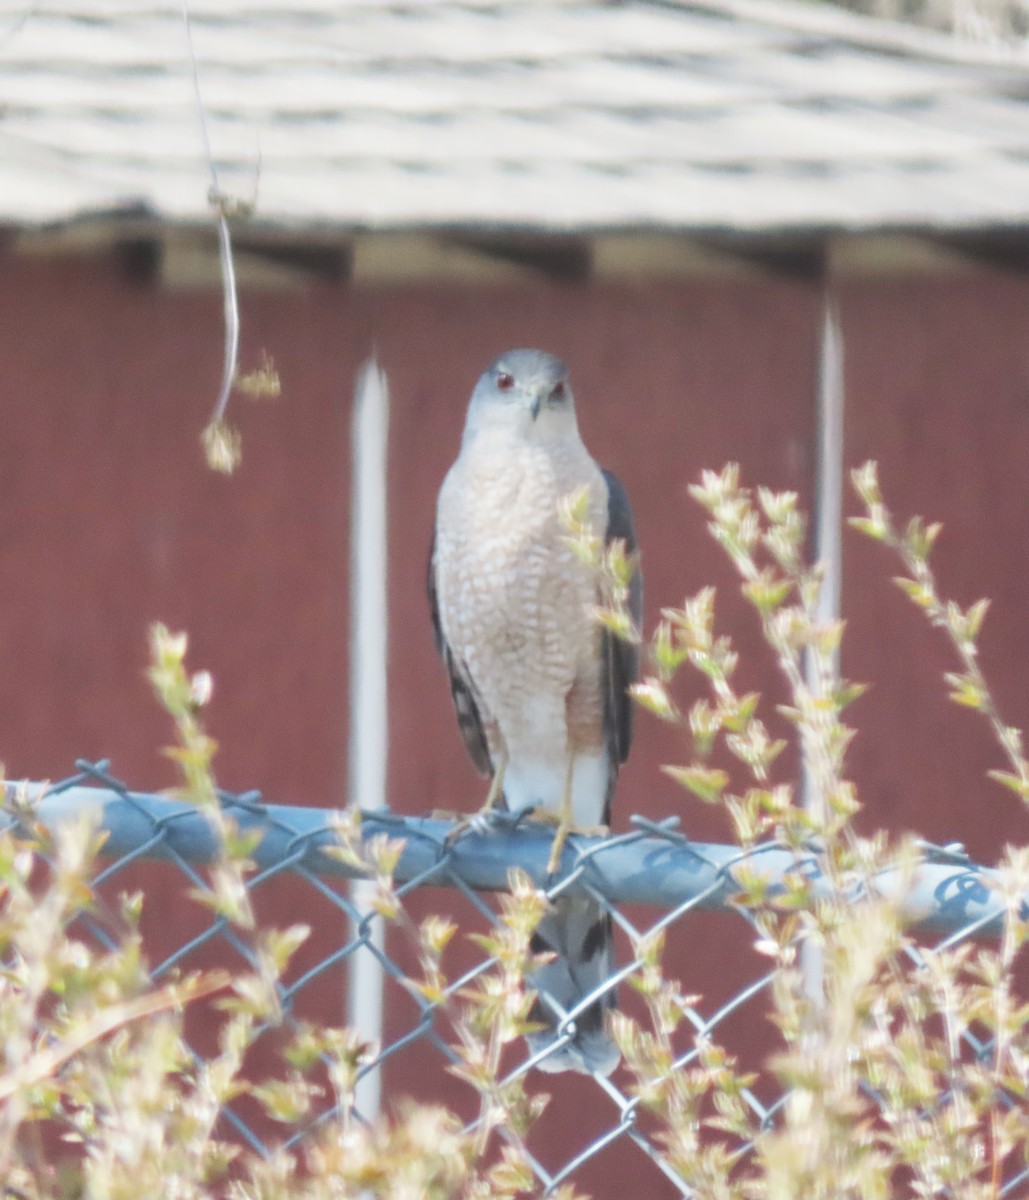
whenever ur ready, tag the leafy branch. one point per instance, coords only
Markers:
(968, 687)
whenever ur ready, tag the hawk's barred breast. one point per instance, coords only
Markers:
(515, 606)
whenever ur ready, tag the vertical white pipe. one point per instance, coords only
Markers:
(829, 499)
(369, 744)
(828, 545)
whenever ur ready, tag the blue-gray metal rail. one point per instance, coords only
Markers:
(653, 864)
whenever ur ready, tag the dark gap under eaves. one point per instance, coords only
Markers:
(801, 258)
(322, 263)
(1001, 249)
(138, 259)
(562, 258)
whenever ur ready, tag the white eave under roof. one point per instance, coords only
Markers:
(547, 116)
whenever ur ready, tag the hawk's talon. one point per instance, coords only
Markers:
(479, 823)
(489, 816)
(525, 813)
(484, 821)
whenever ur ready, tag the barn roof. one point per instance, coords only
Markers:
(546, 115)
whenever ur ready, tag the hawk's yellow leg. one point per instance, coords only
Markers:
(465, 822)
(496, 787)
(564, 819)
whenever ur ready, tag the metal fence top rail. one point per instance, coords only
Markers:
(653, 864)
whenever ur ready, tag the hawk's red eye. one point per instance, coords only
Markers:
(559, 390)
(505, 382)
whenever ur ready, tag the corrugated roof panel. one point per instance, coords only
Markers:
(546, 115)
(997, 120)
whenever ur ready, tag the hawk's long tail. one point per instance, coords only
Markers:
(578, 933)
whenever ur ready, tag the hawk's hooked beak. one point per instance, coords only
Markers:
(538, 396)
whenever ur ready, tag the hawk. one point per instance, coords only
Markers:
(540, 688)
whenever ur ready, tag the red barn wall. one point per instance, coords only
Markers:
(109, 520)
(937, 383)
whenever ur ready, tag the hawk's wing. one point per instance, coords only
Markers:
(621, 658)
(468, 719)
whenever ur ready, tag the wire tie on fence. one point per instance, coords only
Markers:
(88, 767)
(300, 845)
(952, 852)
(86, 771)
(667, 828)
(498, 818)
(98, 771)
(160, 824)
(251, 802)
(809, 868)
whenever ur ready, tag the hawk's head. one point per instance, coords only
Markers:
(523, 390)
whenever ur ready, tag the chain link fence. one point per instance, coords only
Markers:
(650, 880)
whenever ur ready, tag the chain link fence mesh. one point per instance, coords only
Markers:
(160, 845)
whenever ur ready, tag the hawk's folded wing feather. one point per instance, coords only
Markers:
(461, 689)
(621, 658)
